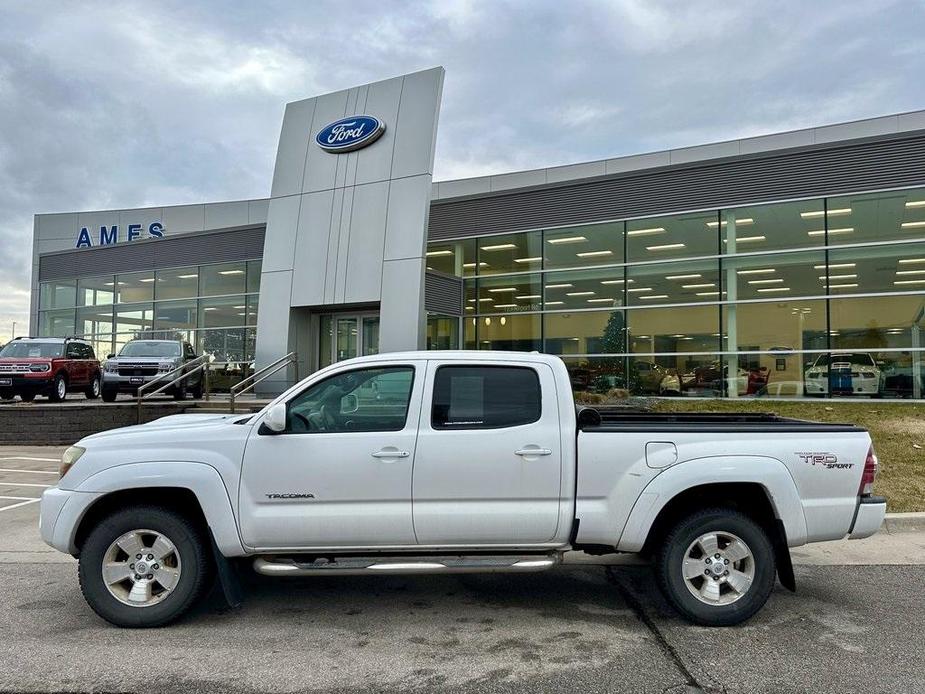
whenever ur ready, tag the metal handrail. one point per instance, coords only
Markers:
(251, 381)
(201, 363)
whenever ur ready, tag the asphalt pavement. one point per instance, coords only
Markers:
(856, 624)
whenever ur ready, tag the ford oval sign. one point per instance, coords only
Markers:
(348, 134)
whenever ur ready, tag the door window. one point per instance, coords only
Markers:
(353, 401)
(485, 397)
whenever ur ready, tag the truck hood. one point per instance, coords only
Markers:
(182, 424)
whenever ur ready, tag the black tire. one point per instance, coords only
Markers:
(7, 395)
(670, 560)
(109, 394)
(95, 388)
(179, 393)
(196, 569)
(27, 396)
(58, 392)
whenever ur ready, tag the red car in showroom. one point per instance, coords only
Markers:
(50, 366)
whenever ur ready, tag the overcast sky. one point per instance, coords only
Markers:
(128, 104)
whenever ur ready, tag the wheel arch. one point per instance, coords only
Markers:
(194, 489)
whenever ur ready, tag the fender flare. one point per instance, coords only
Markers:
(201, 479)
(770, 473)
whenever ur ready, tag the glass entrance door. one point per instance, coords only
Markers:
(347, 336)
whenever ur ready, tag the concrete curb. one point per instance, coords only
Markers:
(904, 522)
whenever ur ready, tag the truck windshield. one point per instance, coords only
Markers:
(151, 349)
(32, 350)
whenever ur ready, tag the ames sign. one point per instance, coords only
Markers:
(110, 235)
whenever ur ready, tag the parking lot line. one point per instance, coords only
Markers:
(21, 503)
(18, 498)
(23, 484)
(40, 472)
(35, 460)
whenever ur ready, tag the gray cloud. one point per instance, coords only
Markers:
(123, 105)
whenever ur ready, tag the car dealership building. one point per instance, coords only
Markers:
(717, 266)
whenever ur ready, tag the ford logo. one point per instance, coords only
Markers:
(348, 134)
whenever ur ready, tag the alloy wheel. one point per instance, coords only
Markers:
(141, 568)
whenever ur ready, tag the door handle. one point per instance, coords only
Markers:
(525, 452)
(390, 454)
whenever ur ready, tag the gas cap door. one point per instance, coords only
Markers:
(661, 454)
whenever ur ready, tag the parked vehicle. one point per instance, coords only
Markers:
(714, 379)
(49, 366)
(850, 373)
(482, 463)
(141, 361)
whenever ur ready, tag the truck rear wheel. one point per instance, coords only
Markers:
(144, 566)
(716, 567)
(58, 391)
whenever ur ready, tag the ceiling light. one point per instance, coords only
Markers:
(559, 286)
(505, 305)
(486, 299)
(639, 289)
(911, 261)
(837, 266)
(840, 286)
(763, 271)
(698, 286)
(470, 265)
(529, 296)
(600, 301)
(499, 247)
(916, 203)
(231, 272)
(777, 280)
(434, 254)
(527, 260)
(187, 277)
(898, 282)
(239, 307)
(775, 289)
(502, 290)
(594, 254)
(821, 232)
(210, 308)
(654, 296)
(646, 232)
(683, 277)
(912, 225)
(708, 293)
(568, 239)
(616, 281)
(910, 272)
(470, 308)
(665, 247)
(831, 213)
(579, 293)
(745, 221)
(839, 277)
(554, 303)
(147, 279)
(642, 337)
(748, 239)
(679, 335)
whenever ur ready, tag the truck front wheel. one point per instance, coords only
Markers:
(716, 567)
(144, 566)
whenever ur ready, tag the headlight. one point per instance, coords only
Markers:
(70, 456)
(166, 366)
(40, 367)
(111, 367)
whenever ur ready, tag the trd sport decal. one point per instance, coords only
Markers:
(827, 460)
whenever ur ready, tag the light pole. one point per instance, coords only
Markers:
(13, 335)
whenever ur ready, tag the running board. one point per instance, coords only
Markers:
(355, 566)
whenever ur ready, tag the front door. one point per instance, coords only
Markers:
(488, 464)
(347, 336)
(340, 475)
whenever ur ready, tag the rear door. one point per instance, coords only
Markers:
(487, 468)
(76, 364)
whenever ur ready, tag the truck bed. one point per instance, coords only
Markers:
(614, 420)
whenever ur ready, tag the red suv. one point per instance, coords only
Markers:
(50, 366)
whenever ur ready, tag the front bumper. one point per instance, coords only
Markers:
(37, 383)
(869, 518)
(113, 381)
(60, 512)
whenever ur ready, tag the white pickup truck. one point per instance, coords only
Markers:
(450, 462)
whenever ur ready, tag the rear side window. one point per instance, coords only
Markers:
(485, 397)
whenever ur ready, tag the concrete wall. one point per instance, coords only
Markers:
(349, 229)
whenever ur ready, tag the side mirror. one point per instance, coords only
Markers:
(275, 421)
(110, 356)
(349, 404)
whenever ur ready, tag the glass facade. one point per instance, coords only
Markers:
(747, 301)
(213, 306)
